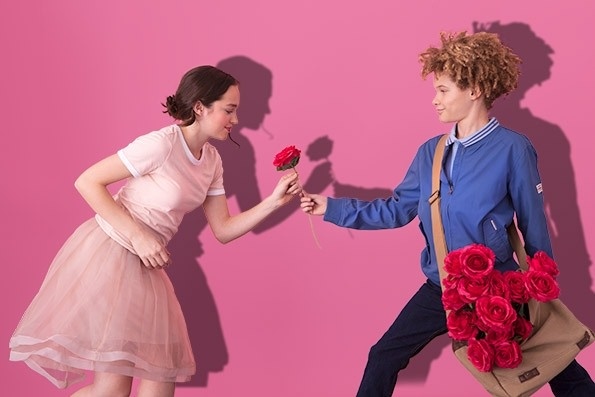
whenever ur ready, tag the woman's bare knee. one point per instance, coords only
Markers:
(149, 388)
(111, 385)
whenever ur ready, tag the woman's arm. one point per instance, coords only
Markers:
(92, 185)
(227, 228)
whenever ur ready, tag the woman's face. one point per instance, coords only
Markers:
(451, 103)
(218, 119)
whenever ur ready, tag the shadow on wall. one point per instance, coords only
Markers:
(189, 279)
(555, 165)
(557, 174)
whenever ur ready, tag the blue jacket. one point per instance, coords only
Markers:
(493, 179)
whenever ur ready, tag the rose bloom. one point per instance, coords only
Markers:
(461, 324)
(507, 354)
(481, 354)
(477, 261)
(516, 286)
(471, 289)
(451, 299)
(284, 158)
(452, 263)
(522, 328)
(542, 262)
(497, 285)
(496, 335)
(451, 281)
(542, 286)
(494, 312)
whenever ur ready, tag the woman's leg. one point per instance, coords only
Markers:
(420, 321)
(106, 385)
(149, 388)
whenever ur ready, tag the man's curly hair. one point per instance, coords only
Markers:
(474, 60)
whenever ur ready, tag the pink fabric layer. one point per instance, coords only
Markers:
(100, 309)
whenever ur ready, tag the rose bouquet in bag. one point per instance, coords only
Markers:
(487, 309)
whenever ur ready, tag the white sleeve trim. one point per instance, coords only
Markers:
(128, 164)
(216, 192)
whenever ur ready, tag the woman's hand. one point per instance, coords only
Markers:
(150, 250)
(287, 187)
(314, 204)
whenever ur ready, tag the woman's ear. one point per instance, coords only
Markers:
(198, 107)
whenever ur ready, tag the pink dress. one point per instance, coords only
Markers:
(99, 308)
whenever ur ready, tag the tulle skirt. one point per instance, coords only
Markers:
(100, 309)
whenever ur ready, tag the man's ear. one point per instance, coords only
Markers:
(475, 93)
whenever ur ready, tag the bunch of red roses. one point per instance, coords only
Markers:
(488, 308)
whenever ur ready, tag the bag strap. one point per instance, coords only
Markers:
(437, 228)
(434, 200)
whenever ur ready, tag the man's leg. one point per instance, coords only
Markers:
(420, 321)
(573, 381)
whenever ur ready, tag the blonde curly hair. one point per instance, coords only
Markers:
(474, 60)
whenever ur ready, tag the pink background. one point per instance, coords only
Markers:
(271, 314)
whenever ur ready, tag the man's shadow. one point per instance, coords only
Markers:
(239, 162)
(555, 165)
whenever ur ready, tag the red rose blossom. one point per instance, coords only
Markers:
(517, 286)
(451, 299)
(495, 336)
(461, 324)
(287, 158)
(481, 354)
(471, 289)
(522, 328)
(507, 354)
(497, 285)
(542, 286)
(494, 312)
(477, 261)
(452, 263)
(542, 262)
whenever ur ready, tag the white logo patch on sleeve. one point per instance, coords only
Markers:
(539, 188)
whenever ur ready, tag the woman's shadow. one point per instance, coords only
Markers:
(189, 279)
(557, 174)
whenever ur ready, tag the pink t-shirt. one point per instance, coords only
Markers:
(168, 182)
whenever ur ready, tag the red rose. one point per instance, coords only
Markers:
(522, 328)
(471, 289)
(497, 285)
(461, 324)
(451, 281)
(542, 262)
(477, 261)
(287, 158)
(494, 312)
(481, 354)
(451, 299)
(517, 286)
(495, 336)
(452, 263)
(541, 286)
(507, 354)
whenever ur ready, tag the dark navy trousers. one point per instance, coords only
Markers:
(420, 321)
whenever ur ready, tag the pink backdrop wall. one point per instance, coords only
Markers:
(271, 314)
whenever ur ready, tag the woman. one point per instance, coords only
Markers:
(490, 175)
(106, 303)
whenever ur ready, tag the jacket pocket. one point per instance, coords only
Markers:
(496, 238)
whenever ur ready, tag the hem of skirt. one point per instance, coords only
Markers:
(72, 366)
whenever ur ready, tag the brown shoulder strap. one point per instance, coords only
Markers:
(437, 229)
